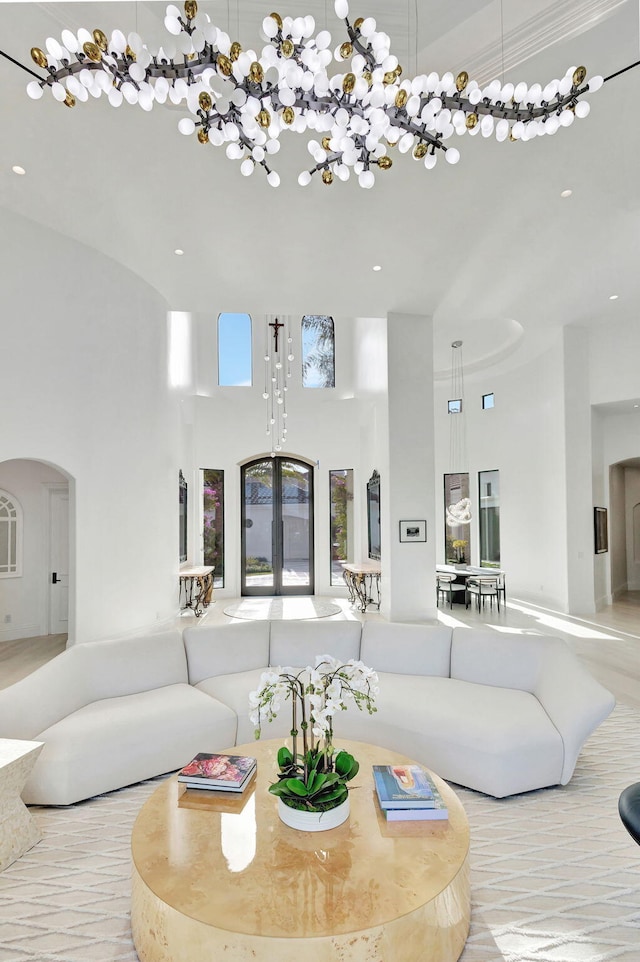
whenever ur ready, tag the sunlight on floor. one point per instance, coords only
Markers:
(559, 623)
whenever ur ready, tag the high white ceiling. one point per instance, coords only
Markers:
(488, 247)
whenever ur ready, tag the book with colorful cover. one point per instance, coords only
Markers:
(212, 771)
(406, 787)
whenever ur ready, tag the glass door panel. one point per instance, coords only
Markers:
(277, 527)
(257, 526)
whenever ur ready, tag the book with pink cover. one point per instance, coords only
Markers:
(217, 771)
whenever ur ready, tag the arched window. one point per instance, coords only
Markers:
(234, 350)
(10, 536)
(318, 351)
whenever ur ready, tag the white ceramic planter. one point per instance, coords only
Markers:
(313, 821)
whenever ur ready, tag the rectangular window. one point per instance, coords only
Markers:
(489, 518)
(341, 500)
(487, 401)
(455, 406)
(318, 351)
(457, 518)
(213, 523)
(234, 350)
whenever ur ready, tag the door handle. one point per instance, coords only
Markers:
(54, 578)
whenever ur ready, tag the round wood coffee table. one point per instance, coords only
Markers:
(210, 885)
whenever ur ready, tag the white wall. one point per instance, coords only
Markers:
(523, 437)
(24, 600)
(83, 371)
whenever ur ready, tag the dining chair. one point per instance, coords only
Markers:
(481, 588)
(446, 585)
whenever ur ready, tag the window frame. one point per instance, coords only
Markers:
(12, 504)
(221, 317)
(306, 321)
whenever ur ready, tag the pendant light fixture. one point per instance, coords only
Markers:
(277, 373)
(243, 101)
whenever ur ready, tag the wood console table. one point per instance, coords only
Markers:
(196, 587)
(360, 580)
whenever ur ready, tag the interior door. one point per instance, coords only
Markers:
(58, 560)
(277, 527)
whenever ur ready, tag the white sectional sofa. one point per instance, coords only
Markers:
(500, 713)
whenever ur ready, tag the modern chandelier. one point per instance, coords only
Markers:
(243, 100)
(277, 372)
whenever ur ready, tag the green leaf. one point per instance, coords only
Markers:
(285, 757)
(296, 787)
(344, 763)
(355, 768)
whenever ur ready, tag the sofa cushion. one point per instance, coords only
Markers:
(298, 642)
(233, 690)
(130, 665)
(494, 740)
(406, 649)
(118, 741)
(502, 659)
(226, 649)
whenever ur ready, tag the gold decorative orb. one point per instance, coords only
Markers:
(277, 18)
(512, 138)
(462, 80)
(579, 75)
(256, 72)
(129, 54)
(384, 163)
(234, 51)
(401, 98)
(224, 65)
(205, 101)
(389, 78)
(264, 118)
(325, 143)
(203, 136)
(287, 48)
(288, 115)
(346, 50)
(420, 151)
(471, 121)
(327, 177)
(101, 39)
(358, 23)
(398, 71)
(69, 100)
(191, 56)
(39, 57)
(349, 83)
(93, 51)
(368, 76)
(391, 143)
(190, 9)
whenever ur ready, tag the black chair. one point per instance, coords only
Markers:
(445, 586)
(629, 809)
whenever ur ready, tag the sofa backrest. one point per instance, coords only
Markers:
(296, 643)
(406, 649)
(49, 693)
(135, 664)
(225, 649)
(502, 659)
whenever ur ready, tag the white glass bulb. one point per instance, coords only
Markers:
(517, 130)
(502, 129)
(475, 96)
(431, 160)
(270, 27)
(507, 93)
(582, 109)
(115, 97)
(566, 118)
(258, 154)
(565, 86)
(284, 414)
(595, 83)
(54, 48)
(342, 9)
(129, 93)
(70, 41)
(273, 178)
(452, 155)
(406, 143)
(172, 25)
(246, 167)
(137, 72)
(34, 90)
(366, 179)
(520, 93)
(486, 125)
(59, 92)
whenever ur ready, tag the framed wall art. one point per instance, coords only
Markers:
(600, 533)
(413, 531)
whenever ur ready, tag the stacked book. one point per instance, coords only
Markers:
(408, 793)
(218, 773)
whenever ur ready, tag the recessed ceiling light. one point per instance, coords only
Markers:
(613, 297)
(566, 193)
(18, 170)
(636, 405)
(377, 267)
(178, 251)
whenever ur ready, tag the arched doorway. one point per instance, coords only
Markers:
(277, 527)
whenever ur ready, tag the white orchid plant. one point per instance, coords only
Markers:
(313, 779)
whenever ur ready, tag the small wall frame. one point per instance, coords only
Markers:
(413, 531)
(600, 532)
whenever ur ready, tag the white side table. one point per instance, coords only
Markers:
(18, 830)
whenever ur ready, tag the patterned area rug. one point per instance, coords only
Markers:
(297, 608)
(555, 877)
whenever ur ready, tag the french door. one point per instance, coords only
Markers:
(277, 527)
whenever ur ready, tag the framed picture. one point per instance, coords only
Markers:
(413, 531)
(601, 538)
